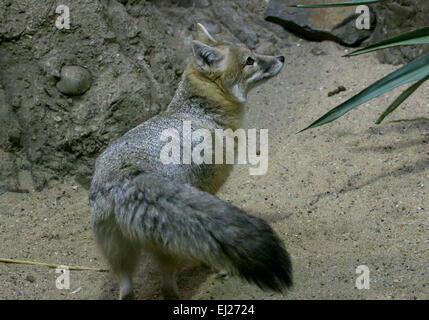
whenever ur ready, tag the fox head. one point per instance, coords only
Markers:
(233, 67)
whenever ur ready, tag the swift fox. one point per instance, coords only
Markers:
(170, 210)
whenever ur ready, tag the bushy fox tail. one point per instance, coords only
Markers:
(184, 221)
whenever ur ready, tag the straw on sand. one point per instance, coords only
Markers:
(50, 265)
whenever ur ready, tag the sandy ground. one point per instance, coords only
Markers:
(347, 194)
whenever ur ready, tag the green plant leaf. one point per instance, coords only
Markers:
(401, 98)
(419, 36)
(337, 4)
(413, 71)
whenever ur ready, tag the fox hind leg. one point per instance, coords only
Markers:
(121, 254)
(168, 266)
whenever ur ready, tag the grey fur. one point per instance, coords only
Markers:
(139, 204)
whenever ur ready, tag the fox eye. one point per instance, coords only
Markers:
(250, 61)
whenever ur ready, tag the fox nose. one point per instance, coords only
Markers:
(281, 58)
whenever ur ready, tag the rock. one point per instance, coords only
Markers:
(26, 181)
(74, 80)
(336, 24)
(397, 17)
(237, 25)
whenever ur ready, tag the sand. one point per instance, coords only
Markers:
(347, 194)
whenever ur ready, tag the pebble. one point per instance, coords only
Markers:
(74, 80)
(30, 278)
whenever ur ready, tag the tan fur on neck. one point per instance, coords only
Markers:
(210, 87)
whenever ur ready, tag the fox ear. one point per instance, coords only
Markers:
(204, 36)
(206, 56)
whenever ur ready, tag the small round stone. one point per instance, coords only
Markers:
(74, 80)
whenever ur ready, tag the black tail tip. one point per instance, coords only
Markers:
(279, 277)
(273, 275)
